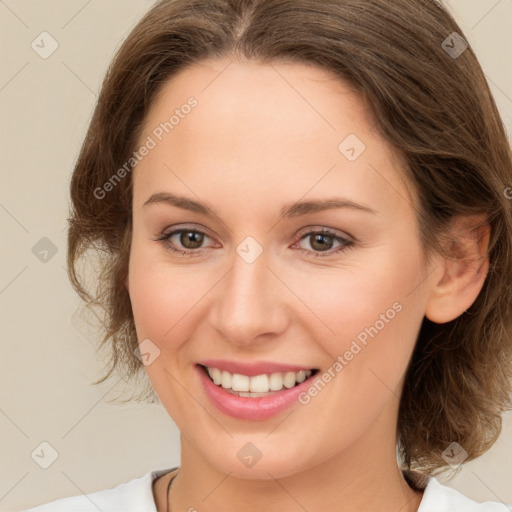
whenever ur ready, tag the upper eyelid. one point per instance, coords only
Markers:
(328, 231)
(304, 230)
(173, 230)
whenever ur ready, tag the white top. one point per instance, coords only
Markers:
(137, 496)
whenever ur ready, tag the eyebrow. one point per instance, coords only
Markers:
(287, 211)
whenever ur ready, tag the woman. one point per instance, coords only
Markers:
(307, 243)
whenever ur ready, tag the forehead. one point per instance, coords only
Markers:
(275, 95)
(257, 127)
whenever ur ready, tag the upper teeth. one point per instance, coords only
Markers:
(259, 383)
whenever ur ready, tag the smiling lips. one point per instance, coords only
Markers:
(253, 391)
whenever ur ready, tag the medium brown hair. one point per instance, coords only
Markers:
(436, 109)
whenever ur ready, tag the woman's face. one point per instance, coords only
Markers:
(263, 160)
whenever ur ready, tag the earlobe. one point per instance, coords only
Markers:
(463, 270)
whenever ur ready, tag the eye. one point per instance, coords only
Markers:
(322, 243)
(186, 241)
(189, 242)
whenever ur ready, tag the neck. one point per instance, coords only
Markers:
(367, 477)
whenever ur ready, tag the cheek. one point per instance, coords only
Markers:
(165, 305)
(373, 321)
(161, 299)
(349, 300)
(366, 313)
(162, 296)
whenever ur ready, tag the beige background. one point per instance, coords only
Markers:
(47, 358)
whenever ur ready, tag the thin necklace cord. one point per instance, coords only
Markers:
(167, 495)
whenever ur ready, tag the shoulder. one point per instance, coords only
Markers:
(441, 498)
(135, 495)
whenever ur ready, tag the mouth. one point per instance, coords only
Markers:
(256, 386)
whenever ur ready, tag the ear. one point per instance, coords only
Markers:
(462, 269)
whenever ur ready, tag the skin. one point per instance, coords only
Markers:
(263, 136)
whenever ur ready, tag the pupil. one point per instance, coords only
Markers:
(192, 237)
(321, 239)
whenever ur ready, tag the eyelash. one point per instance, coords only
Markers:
(345, 243)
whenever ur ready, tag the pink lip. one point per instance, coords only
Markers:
(253, 368)
(252, 409)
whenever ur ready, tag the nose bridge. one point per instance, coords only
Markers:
(248, 305)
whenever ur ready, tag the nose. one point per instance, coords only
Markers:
(250, 303)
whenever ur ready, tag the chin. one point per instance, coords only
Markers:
(255, 457)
